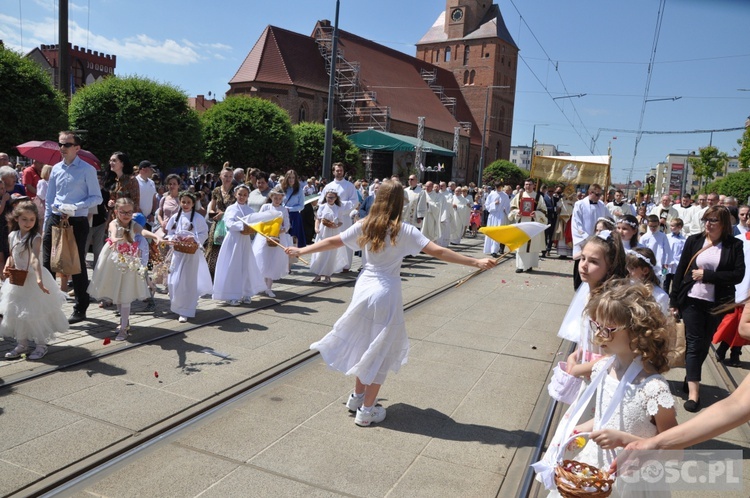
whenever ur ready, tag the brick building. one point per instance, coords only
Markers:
(86, 66)
(384, 89)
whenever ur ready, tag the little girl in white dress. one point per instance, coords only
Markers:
(328, 223)
(272, 260)
(32, 311)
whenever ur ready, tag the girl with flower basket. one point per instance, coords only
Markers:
(120, 274)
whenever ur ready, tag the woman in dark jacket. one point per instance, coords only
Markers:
(711, 264)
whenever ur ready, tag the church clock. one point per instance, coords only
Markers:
(457, 15)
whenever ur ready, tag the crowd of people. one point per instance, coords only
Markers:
(639, 268)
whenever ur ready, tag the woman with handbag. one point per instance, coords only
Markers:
(712, 263)
(221, 198)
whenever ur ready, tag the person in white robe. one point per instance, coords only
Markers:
(412, 194)
(666, 212)
(461, 214)
(562, 227)
(349, 199)
(430, 209)
(621, 205)
(189, 278)
(238, 277)
(273, 262)
(527, 256)
(446, 216)
(497, 205)
(583, 223)
(328, 223)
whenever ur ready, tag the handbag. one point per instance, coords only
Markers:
(562, 386)
(64, 257)
(220, 232)
(677, 345)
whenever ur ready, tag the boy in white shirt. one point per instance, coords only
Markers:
(676, 244)
(657, 242)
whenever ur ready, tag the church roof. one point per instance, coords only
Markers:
(284, 57)
(492, 26)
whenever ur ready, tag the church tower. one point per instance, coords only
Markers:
(470, 39)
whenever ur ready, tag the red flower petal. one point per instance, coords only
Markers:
(156, 374)
(107, 341)
(503, 281)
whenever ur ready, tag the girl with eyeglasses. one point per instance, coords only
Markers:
(632, 400)
(712, 263)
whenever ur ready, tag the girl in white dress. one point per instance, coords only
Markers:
(272, 260)
(328, 223)
(370, 338)
(189, 277)
(238, 277)
(632, 399)
(627, 227)
(120, 275)
(32, 311)
(640, 262)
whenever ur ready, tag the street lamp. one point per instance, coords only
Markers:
(533, 141)
(577, 96)
(484, 129)
(665, 98)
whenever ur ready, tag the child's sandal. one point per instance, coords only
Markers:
(122, 334)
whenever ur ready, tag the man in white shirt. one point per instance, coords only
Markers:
(619, 203)
(498, 207)
(657, 241)
(412, 194)
(665, 212)
(698, 210)
(147, 201)
(742, 227)
(685, 210)
(430, 209)
(583, 224)
(349, 202)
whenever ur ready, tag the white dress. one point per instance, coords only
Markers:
(116, 276)
(641, 401)
(460, 220)
(237, 275)
(329, 262)
(189, 277)
(28, 313)
(272, 260)
(370, 337)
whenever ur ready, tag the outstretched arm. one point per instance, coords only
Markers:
(324, 245)
(449, 256)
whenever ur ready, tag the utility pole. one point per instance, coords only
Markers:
(63, 60)
(328, 146)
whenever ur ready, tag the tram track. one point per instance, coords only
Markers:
(93, 465)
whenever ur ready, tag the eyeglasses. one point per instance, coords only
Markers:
(602, 331)
(598, 194)
(65, 145)
(713, 221)
(125, 212)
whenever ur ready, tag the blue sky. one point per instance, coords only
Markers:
(598, 47)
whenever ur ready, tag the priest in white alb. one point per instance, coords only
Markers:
(527, 207)
(430, 209)
(497, 206)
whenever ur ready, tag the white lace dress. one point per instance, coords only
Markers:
(329, 262)
(641, 401)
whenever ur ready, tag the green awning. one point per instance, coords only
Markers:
(389, 142)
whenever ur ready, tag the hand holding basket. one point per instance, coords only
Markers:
(580, 480)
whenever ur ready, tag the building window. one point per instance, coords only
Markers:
(471, 77)
(466, 77)
(437, 55)
(467, 50)
(447, 54)
(302, 113)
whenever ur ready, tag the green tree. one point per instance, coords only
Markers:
(30, 108)
(744, 144)
(309, 139)
(709, 162)
(250, 133)
(736, 184)
(143, 118)
(504, 171)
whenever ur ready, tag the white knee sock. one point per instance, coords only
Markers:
(124, 315)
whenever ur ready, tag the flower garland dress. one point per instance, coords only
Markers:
(119, 275)
(370, 337)
(189, 278)
(237, 275)
(272, 260)
(329, 262)
(28, 313)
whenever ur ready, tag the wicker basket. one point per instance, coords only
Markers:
(247, 230)
(186, 246)
(328, 223)
(273, 241)
(580, 480)
(16, 276)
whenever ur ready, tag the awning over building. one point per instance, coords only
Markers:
(384, 141)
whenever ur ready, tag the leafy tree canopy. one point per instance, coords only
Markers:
(504, 171)
(138, 116)
(709, 162)
(250, 133)
(744, 144)
(737, 185)
(309, 141)
(30, 107)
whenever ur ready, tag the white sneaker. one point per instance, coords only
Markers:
(270, 293)
(233, 302)
(182, 319)
(354, 402)
(247, 299)
(374, 416)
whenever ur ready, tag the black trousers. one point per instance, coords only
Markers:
(80, 226)
(576, 274)
(700, 325)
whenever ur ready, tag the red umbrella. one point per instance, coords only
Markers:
(48, 152)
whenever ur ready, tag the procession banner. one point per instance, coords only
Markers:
(576, 170)
(514, 236)
(268, 222)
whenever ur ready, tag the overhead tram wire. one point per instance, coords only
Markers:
(652, 58)
(559, 75)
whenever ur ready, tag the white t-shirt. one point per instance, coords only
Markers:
(148, 191)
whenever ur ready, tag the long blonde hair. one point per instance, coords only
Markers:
(384, 218)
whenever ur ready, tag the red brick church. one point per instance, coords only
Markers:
(466, 52)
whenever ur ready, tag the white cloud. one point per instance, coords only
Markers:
(139, 47)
